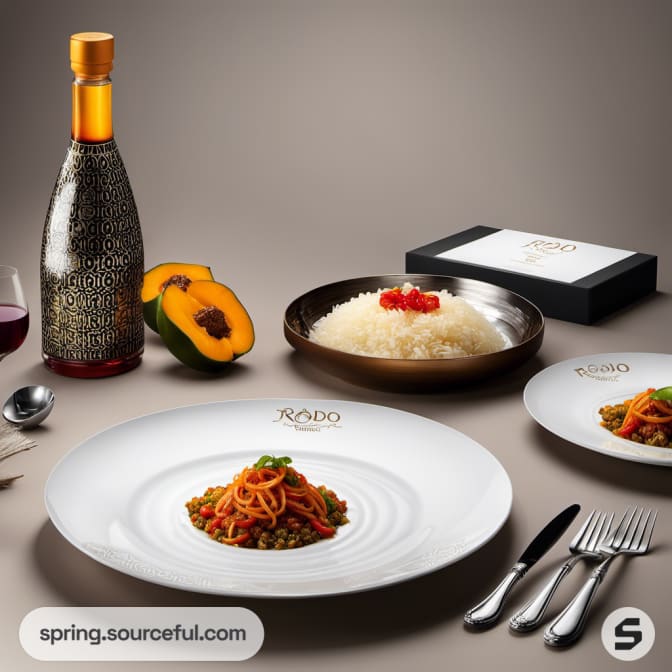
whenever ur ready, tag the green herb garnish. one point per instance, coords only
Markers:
(663, 394)
(331, 505)
(272, 462)
(292, 479)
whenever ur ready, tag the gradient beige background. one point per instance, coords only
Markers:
(290, 144)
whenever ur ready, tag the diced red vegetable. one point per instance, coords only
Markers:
(206, 511)
(322, 529)
(214, 524)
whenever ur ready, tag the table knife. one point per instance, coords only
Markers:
(487, 611)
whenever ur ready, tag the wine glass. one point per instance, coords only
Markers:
(13, 311)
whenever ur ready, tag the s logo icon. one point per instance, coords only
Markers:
(634, 636)
(628, 633)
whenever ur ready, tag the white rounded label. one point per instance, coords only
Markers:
(628, 633)
(141, 633)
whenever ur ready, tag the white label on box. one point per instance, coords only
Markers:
(537, 255)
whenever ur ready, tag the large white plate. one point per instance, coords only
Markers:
(420, 495)
(565, 399)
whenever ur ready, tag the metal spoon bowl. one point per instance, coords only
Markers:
(28, 406)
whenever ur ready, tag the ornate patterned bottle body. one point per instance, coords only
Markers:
(92, 262)
(92, 267)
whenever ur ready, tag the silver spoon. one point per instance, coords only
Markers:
(29, 406)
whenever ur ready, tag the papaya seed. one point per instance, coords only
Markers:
(213, 320)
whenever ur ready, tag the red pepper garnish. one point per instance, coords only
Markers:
(395, 299)
(323, 530)
(628, 429)
(414, 300)
(246, 523)
(431, 302)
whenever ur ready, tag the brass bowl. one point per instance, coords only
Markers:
(519, 321)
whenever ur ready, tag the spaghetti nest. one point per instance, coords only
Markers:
(268, 505)
(646, 418)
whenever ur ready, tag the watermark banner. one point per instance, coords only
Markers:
(141, 633)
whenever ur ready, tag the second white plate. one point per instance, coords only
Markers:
(565, 399)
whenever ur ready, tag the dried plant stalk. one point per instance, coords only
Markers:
(12, 442)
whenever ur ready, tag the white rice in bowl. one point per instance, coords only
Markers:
(361, 326)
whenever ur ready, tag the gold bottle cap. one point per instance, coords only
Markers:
(91, 53)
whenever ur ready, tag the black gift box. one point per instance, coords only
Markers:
(567, 280)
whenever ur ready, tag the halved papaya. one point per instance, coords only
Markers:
(164, 275)
(204, 326)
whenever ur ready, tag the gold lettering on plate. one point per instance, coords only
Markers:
(304, 420)
(607, 372)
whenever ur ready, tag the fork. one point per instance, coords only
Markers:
(631, 537)
(584, 545)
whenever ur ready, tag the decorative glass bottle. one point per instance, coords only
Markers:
(92, 261)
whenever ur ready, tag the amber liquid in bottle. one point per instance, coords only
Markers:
(92, 258)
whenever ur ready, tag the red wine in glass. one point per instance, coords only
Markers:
(13, 327)
(13, 311)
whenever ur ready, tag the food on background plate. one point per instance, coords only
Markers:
(646, 418)
(405, 323)
(205, 325)
(268, 506)
(158, 278)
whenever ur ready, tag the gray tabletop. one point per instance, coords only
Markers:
(289, 144)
